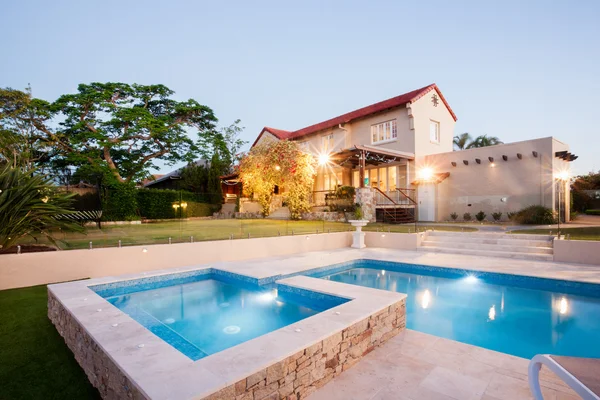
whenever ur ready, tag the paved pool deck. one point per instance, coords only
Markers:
(412, 365)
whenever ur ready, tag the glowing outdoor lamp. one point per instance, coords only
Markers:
(175, 206)
(426, 174)
(323, 159)
(184, 205)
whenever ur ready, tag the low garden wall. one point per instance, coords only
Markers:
(324, 216)
(398, 241)
(295, 376)
(29, 269)
(303, 373)
(577, 251)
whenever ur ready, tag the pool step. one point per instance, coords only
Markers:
(530, 247)
(489, 253)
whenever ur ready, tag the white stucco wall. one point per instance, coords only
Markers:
(521, 182)
(577, 251)
(21, 270)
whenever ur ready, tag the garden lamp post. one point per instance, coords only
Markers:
(561, 177)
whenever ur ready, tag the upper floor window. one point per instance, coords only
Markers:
(327, 143)
(434, 131)
(303, 146)
(384, 131)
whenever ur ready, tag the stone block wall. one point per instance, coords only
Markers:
(101, 371)
(295, 377)
(366, 198)
(299, 375)
(324, 216)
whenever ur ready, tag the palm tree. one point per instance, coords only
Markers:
(484, 141)
(461, 141)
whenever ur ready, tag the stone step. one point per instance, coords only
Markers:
(489, 253)
(512, 248)
(506, 240)
(280, 213)
(490, 235)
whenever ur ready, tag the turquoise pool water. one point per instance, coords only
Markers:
(203, 314)
(515, 315)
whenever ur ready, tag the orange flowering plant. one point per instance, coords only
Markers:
(282, 164)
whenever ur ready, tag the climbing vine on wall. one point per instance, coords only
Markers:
(281, 164)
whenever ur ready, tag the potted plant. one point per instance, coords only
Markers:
(358, 237)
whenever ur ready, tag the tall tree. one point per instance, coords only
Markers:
(24, 138)
(124, 129)
(461, 141)
(226, 142)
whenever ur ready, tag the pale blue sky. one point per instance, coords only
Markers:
(512, 69)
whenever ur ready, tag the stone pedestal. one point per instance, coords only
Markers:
(358, 236)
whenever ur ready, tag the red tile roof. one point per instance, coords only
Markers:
(360, 113)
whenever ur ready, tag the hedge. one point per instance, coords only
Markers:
(593, 212)
(533, 215)
(119, 202)
(158, 204)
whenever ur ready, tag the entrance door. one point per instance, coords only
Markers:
(426, 194)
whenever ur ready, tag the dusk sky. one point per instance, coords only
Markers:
(513, 69)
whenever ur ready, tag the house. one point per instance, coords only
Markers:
(170, 180)
(402, 150)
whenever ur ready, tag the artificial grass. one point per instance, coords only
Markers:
(213, 229)
(35, 362)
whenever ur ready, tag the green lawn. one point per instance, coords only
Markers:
(591, 233)
(212, 229)
(35, 362)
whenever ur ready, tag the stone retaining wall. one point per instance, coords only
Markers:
(324, 216)
(299, 375)
(101, 371)
(294, 377)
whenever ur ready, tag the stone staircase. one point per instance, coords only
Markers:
(280, 213)
(528, 247)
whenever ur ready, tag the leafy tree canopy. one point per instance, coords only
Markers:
(283, 164)
(125, 128)
(23, 142)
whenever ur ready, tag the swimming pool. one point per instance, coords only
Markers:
(208, 311)
(518, 315)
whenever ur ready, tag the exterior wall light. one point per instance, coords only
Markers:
(426, 174)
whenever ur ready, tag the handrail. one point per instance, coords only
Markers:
(401, 190)
(385, 195)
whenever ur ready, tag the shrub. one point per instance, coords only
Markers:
(593, 212)
(30, 205)
(511, 215)
(454, 216)
(467, 216)
(480, 216)
(358, 213)
(534, 215)
(497, 216)
(119, 202)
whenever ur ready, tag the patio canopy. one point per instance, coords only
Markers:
(372, 156)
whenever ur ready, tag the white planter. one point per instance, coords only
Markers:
(358, 236)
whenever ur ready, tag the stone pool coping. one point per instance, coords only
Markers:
(182, 378)
(158, 371)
